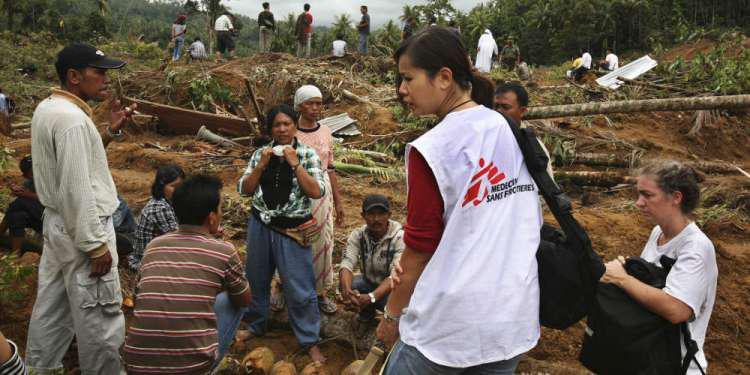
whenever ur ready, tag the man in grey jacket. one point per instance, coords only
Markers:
(375, 247)
(79, 286)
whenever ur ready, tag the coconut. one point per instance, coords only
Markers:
(315, 368)
(259, 361)
(283, 368)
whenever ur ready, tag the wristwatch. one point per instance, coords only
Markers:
(112, 135)
(372, 297)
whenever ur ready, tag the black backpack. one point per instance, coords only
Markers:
(569, 269)
(625, 338)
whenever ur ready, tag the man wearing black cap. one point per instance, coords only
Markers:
(79, 286)
(375, 248)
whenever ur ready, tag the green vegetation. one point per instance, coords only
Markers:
(13, 281)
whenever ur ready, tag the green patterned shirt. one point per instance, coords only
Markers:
(299, 205)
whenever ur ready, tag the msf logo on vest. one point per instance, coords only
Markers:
(487, 186)
(487, 176)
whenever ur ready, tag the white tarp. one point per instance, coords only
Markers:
(630, 71)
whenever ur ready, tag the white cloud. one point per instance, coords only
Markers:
(324, 11)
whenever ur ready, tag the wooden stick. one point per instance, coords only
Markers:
(370, 361)
(258, 112)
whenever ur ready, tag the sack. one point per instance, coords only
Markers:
(305, 235)
(623, 337)
(568, 267)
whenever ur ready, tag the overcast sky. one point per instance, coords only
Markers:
(323, 11)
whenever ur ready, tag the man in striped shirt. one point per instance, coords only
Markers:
(192, 290)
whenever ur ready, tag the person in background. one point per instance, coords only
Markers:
(611, 61)
(192, 290)
(512, 100)
(510, 56)
(364, 29)
(179, 30)
(668, 192)
(376, 248)
(339, 45)
(157, 216)
(5, 127)
(581, 68)
(308, 101)
(303, 30)
(409, 28)
(197, 50)
(25, 211)
(78, 291)
(267, 26)
(224, 38)
(453, 26)
(472, 206)
(486, 48)
(283, 177)
(523, 70)
(11, 362)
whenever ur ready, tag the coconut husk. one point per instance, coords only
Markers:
(283, 368)
(315, 368)
(259, 361)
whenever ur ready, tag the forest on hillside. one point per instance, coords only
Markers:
(547, 32)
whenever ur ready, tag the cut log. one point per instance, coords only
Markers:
(254, 101)
(24, 125)
(604, 179)
(177, 120)
(630, 106)
(604, 160)
(350, 95)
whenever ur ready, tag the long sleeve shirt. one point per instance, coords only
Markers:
(71, 173)
(375, 258)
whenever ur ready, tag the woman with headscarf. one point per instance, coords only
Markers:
(308, 101)
(485, 49)
(179, 29)
(282, 178)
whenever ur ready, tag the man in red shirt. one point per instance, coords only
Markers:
(304, 32)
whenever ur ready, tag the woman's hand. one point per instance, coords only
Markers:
(615, 272)
(265, 158)
(290, 155)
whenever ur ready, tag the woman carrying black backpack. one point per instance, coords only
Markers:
(668, 193)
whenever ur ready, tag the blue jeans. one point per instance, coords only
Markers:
(178, 43)
(266, 251)
(362, 285)
(407, 360)
(228, 319)
(363, 43)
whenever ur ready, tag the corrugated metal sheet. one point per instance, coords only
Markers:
(629, 71)
(341, 124)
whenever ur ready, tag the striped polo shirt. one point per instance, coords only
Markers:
(174, 325)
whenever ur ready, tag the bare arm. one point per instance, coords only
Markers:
(338, 205)
(413, 264)
(653, 299)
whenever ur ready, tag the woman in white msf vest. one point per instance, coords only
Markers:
(467, 296)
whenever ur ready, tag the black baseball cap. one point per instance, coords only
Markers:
(81, 55)
(375, 200)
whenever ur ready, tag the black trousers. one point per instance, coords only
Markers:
(24, 213)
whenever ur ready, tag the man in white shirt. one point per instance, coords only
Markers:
(224, 40)
(197, 50)
(585, 66)
(339, 46)
(79, 287)
(611, 61)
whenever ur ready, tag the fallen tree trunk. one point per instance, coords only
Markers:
(177, 120)
(604, 179)
(630, 106)
(612, 160)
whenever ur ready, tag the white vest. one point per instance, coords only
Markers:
(477, 300)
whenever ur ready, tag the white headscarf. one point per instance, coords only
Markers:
(304, 94)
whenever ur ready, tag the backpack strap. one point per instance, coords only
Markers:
(691, 348)
(559, 204)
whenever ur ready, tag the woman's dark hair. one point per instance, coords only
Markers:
(672, 176)
(25, 163)
(306, 7)
(438, 47)
(266, 5)
(281, 108)
(181, 19)
(165, 175)
(195, 198)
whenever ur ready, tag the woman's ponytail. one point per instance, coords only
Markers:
(482, 89)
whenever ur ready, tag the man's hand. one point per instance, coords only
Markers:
(119, 115)
(363, 300)
(615, 272)
(290, 154)
(396, 273)
(100, 265)
(387, 331)
(351, 298)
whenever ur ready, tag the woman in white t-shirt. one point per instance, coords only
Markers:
(179, 29)
(339, 46)
(667, 194)
(470, 277)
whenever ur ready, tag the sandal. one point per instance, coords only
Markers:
(326, 305)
